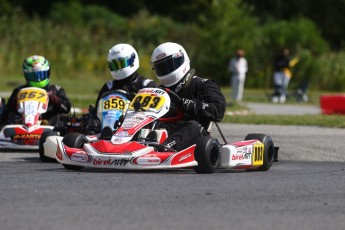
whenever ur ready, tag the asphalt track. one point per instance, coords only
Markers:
(304, 190)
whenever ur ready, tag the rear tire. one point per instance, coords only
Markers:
(74, 140)
(268, 149)
(207, 154)
(41, 148)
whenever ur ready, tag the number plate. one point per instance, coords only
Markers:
(258, 154)
(148, 101)
(114, 104)
(31, 94)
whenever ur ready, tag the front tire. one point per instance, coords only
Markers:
(74, 140)
(41, 147)
(268, 149)
(207, 154)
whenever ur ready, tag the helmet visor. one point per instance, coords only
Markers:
(168, 64)
(36, 76)
(121, 63)
(40, 84)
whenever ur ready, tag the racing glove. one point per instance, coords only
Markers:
(191, 106)
(54, 100)
(94, 125)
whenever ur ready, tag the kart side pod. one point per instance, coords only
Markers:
(235, 157)
(249, 154)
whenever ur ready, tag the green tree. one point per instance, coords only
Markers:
(228, 26)
(328, 15)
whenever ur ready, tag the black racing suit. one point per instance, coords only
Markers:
(58, 104)
(131, 85)
(202, 102)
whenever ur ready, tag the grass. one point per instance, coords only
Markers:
(84, 92)
(263, 96)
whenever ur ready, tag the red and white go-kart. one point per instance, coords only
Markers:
(134, 146)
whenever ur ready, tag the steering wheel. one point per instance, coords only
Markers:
(175, 113)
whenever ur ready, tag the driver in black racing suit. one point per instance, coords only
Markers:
(123, 63)
(36, 71)
(200, 99)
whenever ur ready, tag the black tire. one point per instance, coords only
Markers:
(268, 156)
(41, 148)
(74, 140)
(207, 154)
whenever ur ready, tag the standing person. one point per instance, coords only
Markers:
(238, 68)
(36, 71)
(200, 99)
(282, 75)
(123, 63)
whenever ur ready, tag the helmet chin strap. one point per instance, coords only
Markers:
(184, 82)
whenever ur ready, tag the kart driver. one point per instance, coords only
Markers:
(200, 99)
(36, 71)
(123, 63)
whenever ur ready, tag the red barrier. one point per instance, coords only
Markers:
(332, 104)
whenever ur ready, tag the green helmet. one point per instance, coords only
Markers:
(36, 71)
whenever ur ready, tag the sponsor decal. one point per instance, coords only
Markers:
(241, 154)
(26, 139)
(148, 160)
(116, 140)
(119, 162)
(151, 91)
(237, 157)
(249, 149)
(101, 162)
(80, 156)
(137, 117)
(185, 156)
(179, 86)
(27, 136)
(122, 134)
(162, 55)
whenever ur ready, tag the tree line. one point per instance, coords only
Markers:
(77, 34)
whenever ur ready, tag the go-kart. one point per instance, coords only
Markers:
(111, 108)
(133, 146)
(26, 131)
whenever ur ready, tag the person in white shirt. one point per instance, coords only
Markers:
(238, 68)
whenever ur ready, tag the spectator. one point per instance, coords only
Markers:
(282, 75)
(238, 68)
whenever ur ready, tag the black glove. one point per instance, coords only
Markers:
(54, 100)
(94, 125)
(191, 106)
(130, 95)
